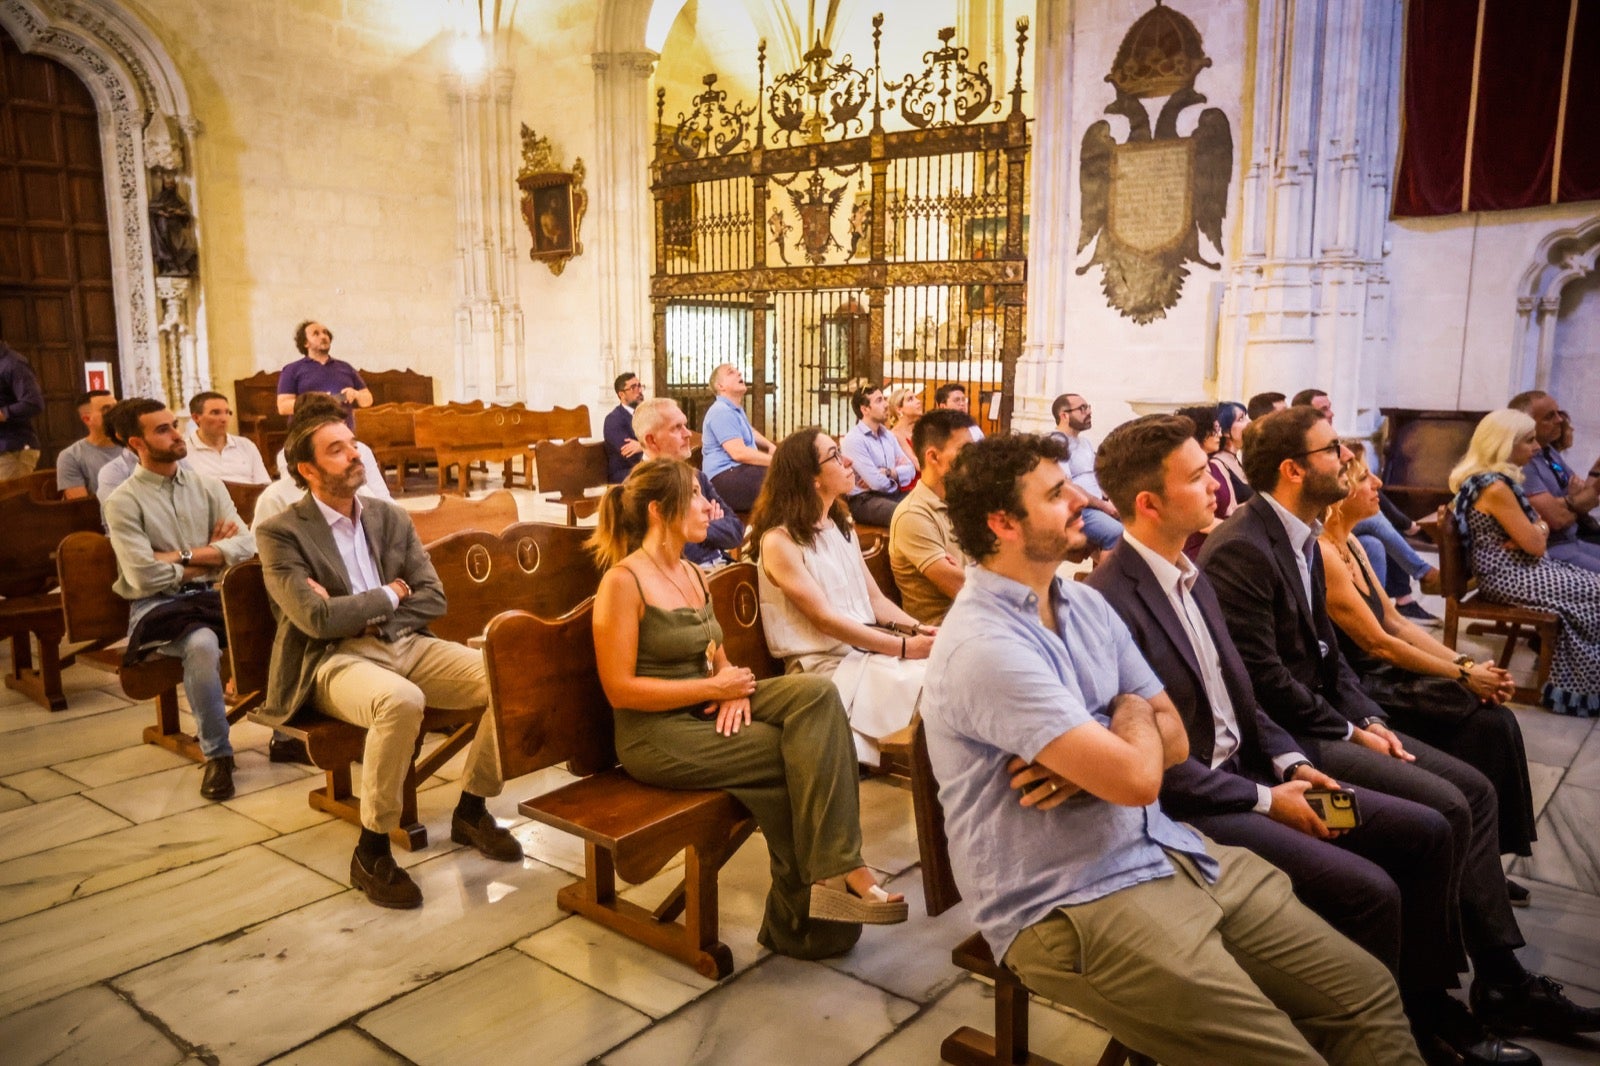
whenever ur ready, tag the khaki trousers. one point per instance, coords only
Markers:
(385, 687)
(1238, 972)
(18, 463)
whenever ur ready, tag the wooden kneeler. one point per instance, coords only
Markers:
(332, 745)
(549, 708)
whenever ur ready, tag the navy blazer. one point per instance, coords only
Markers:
(618, 429)
(1192, 787)
(1288, 644)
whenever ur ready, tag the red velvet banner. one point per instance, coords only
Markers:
(1497, 95)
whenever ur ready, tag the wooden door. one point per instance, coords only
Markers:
(56, 303)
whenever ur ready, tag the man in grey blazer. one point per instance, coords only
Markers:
(353, 593)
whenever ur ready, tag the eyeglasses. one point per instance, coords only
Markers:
(1080, 407)
(834, 456)
(1335, 449)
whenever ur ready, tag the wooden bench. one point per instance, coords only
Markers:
(549, 708)
(570, 469)
(390, 430)
(255, 402)
(1463, 602)
(398, 386)
(30, 606)
(98, 618)
(457, 438)
(536, 567)
(39, 485)
(877, 560)
(244, 497)
(332, 745)
(491, 513)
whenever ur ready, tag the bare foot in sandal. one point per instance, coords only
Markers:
(856, 897)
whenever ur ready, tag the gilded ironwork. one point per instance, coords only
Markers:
(947, 92)
(711, 127)
(553, 202)
(1149, 198)
(819, 96)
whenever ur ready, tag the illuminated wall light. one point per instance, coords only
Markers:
(469, 56)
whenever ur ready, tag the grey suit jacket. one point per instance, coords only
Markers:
(297, 545)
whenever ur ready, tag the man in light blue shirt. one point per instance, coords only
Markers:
(734, 455)
(1186, 951)
(883, 470)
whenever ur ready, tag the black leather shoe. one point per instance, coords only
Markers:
(1455, 1038)
(1518, 893)
(492, 840)
(288, 749)
(217, 782)
(385, 884)
(1538, 1005)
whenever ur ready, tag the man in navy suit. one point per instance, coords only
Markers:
(623, 452)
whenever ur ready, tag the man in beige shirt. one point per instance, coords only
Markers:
(928, 564)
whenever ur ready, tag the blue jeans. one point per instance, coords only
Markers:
(1103, 531)
(202, 680)
(1381, 539)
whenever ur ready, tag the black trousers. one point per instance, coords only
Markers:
(740, 485)
(873, 508)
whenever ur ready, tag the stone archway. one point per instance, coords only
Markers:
(1558, 292)
(146, 133)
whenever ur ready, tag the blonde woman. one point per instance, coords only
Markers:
(685, 717)
(905, 407)
(1506, 541)
(1430, 692)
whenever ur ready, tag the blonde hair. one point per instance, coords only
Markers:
(1491, 447)
(625, 508)
(897, 399)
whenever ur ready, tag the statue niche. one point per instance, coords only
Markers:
(172, 232)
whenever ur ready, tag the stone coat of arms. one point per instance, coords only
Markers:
(1149, 198)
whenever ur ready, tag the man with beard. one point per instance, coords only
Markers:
(318, 371)
(353, 592)
(623, 452)
(1267, 572)
(1073, 415)
(1085, 888)
(174, 531)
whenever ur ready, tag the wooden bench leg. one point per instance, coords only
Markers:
(42, 686)
(166, 733)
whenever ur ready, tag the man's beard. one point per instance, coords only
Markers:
(1324, 489)
(354, 476)
(178, 451)
(1055, 546)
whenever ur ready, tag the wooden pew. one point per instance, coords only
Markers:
(397, 387)
(30, 606)
(333, 745)
(255, 403)
(1419, 450)
(493, 435)
(491, 514)
(570, 469)
(549, 708)
(390, 430)
(1463, 602)
(877, 560)
(244, 498)
(39, 485)
(532, 566)
(98, 617)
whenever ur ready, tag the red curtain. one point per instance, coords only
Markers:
(1514, 74)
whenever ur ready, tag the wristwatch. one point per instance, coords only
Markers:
(184, 556)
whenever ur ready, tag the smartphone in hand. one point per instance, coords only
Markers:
(1336, 807)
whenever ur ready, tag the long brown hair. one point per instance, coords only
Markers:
(789, 499)
(625, 508)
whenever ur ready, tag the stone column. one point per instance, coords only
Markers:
(1041, 368)
(624, 140)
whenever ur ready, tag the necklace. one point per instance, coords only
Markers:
(688, 597)
(688, 601)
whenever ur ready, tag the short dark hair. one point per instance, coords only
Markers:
(985, 478)
(935, 428)
(197, 403)
(88, 397)
(300, 334)
(622, 381)
(1523, 401)
(316, 401)
(1269, 441)
(1304, 397)
(299, 447)
(1261, 404)
(1228, 412)
(862, 397)
(1204, 416)
(942, 393)
(1132, 459)
(1059, 404)
(128, 414)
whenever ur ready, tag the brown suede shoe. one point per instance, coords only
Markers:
(385, 884)
(217, 781)
(492, 840)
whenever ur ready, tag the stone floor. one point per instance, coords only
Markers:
(140, 924)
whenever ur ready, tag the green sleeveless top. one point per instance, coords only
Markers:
(672, 643)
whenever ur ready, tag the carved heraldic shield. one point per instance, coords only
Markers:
(1146, 201)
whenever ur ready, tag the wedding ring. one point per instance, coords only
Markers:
(1053, 787)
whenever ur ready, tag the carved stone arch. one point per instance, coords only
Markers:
(1565, 256)
(145, 122)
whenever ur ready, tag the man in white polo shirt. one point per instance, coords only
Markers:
(214, 451)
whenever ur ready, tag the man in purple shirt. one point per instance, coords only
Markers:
(883, 470)
(318, 371)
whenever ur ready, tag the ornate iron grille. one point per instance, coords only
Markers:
(770, 253)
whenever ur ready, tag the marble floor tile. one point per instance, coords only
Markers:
(888, 833)
(1553, 739)
(53, 823)
(90, 1026)
(42, 784)
(842, 1019)
(83, 703)
(53, 742)
(510, 997)
(626, 970)
(912, 959)
(283, 808)
(1562, 927)
(1568, 849)
(1056, 1035)
(319, 966)
(168, 792)
(1585, 769)
(11, 799)
(89, 940)
(115, 766)
(342, 1047)
(1542, 781)
(77, 870)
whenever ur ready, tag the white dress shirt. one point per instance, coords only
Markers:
(1300, 537)
(351, 541)
(237, 460)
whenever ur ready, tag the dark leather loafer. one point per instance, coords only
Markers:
(492, 840)
(1538, 1005)
(217, 781)
(385, 884)
(1456, 1038)
(288, 749)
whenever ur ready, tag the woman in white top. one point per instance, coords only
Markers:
(822, 611)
